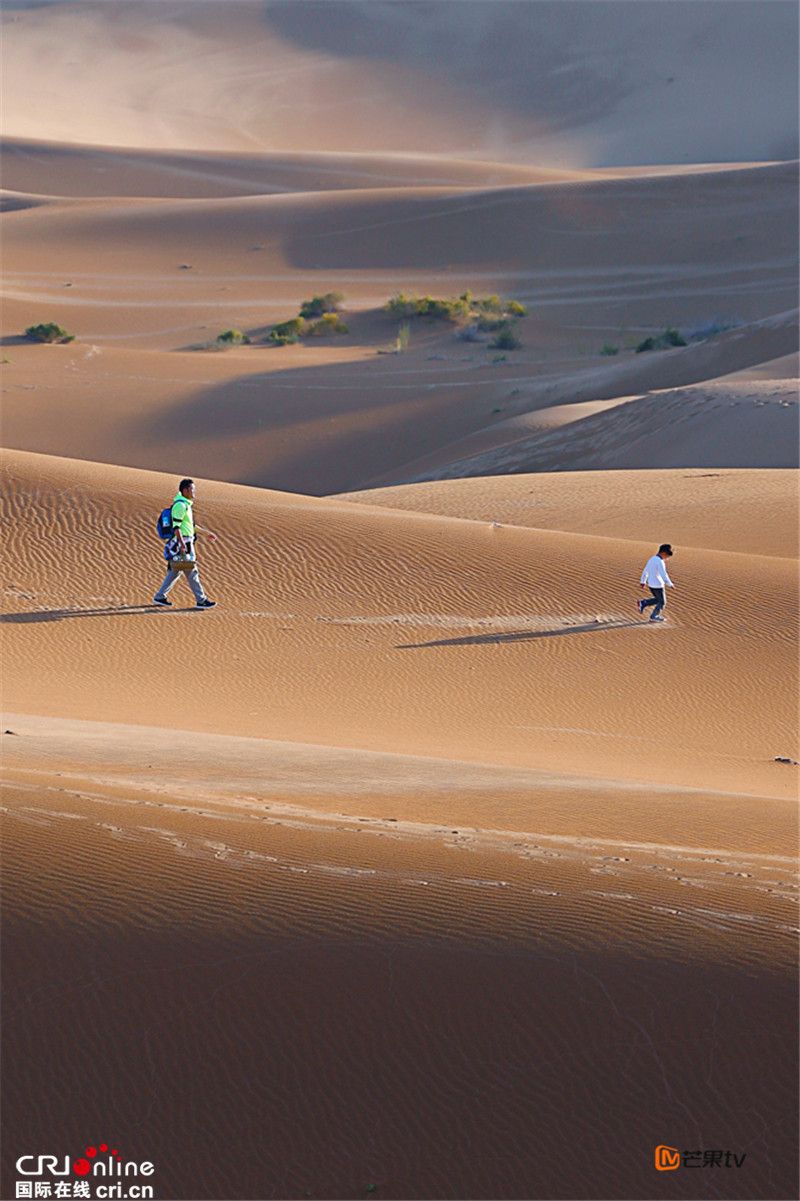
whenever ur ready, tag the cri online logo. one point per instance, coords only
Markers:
(667, 1158)
(112, 1166)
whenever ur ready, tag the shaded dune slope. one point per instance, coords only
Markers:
(318, 421)
(58, 169)
(381, 972)
(749, 424)
(553, 83)
(559, 231)
(590, 260)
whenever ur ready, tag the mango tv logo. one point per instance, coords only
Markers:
(667, 1158)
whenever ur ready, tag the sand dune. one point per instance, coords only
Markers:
(758, 508)
(151, 275)
(564, 85)
(747, 424)
(527, 233)
(321, 419)
(80, 170)
(421, 866)
(261, 811)
(387, 1012)
(312, 593)
(83, 170)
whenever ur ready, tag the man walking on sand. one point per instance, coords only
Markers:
(182, 544)
(656, 578)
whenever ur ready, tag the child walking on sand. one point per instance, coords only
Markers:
(657, 579)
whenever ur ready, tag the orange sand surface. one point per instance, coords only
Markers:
(421, 866)
(400, 811)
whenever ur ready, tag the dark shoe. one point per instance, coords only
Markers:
(658, 619)
(162, 600)
(206, 604)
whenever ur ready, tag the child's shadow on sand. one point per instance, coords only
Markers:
(592, 627)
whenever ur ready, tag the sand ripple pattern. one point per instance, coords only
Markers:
(368, 1003)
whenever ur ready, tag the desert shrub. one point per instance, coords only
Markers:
(318, 306)
(329, 323)
(49, 332)
(233, 337)
(449, 310)
(498, 306)
(402, 305)
(287, 332)
(607, 348)
(673, 338)
(403, 337)
(491, 312)
(670, 337)
(505, 339)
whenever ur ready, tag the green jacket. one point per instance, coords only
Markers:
(182, 516)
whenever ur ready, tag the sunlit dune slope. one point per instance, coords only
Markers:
(752, 512)
(353, 626)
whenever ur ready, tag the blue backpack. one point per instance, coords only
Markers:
(164, 524)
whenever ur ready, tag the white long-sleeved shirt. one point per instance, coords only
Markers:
(655, 573)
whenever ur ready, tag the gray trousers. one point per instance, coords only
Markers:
(192, 579)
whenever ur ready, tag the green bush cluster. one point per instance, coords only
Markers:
(404, 306)
(490, 312)
(288, 332)
(670, 337)
(331, 302)
(608, 348)
(329, 323)
(49, 332)
(232, 337)
(325, 307)
(505, 338)
(493, 312)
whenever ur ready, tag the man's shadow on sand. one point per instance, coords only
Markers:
(106, 611)
(592, 627)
